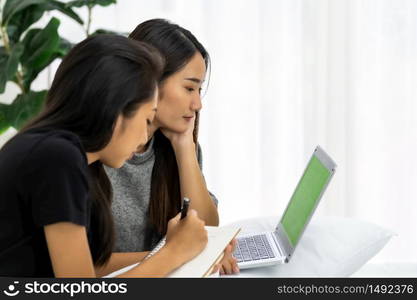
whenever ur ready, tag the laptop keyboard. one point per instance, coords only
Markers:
(255, 247)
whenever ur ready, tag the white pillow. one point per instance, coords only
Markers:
(330, 247)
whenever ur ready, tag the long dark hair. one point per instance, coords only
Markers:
(178, 46)
(101, 78)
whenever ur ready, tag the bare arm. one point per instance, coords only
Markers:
(193, 185)
(159, 265)
(71, 257)
(69, 250)
(119, 260)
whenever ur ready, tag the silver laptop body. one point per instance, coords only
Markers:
(277, 247)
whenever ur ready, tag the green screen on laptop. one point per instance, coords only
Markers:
(304, 199)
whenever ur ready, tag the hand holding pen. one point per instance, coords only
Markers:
(189, 232)
(185, 205)
(186, 233)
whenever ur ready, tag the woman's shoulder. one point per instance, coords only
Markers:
(59, 142)
(49, 147)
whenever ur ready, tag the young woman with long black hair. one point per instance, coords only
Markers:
(55, 205)
(150, 186)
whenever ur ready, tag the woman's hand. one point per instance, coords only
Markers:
(186, 237)
(228, 265)
(183, 140)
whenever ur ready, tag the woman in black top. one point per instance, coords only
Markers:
(55, 216)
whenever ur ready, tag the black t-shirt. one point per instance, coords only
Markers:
(44, 179)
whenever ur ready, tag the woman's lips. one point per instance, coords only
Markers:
(188, 118)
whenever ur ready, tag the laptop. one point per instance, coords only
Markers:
(277, 247)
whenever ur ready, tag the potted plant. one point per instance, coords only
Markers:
(26, 51)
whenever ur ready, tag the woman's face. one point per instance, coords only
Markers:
(180, 96)
(129, 134)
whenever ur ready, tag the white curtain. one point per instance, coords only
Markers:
(290, 74)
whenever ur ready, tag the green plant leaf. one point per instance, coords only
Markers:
(91, 3)
(63, 8)
(24, 108)
(40, 45)
(64, 47)
(4, 57)
(11, 7)
(31, 74)
(4, 123)
(22, 20)
(9, 64)
(106, 31)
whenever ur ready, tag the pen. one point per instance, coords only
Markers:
(184, 210)
(185, 205)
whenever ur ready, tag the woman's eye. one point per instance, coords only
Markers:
(190, 89)
(148, 122)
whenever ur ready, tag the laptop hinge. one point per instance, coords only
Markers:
(276, 238)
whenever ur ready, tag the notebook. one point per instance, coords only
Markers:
(203, 263)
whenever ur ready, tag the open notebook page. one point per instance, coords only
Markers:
(201, 265)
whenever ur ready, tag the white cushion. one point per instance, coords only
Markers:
(330, 247)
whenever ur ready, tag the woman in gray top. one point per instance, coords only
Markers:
(148, 189)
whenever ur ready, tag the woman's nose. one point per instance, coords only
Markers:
(196, 103)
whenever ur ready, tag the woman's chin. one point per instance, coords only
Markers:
(176, 129)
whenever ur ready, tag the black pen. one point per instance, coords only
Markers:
(184, 210)
(185, 205)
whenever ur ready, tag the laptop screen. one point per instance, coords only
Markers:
(304, 199)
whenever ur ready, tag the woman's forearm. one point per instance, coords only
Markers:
(119, 260)
(193, 186)
(159, 265)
